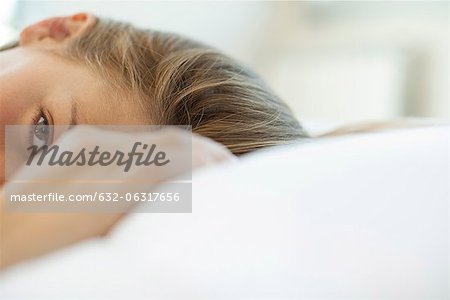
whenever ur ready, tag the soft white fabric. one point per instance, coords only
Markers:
(357, 217)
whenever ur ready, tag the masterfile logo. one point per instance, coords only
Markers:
(98, 169)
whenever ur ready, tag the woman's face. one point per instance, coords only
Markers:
(38, 86)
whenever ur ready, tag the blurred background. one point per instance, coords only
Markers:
(332, 61)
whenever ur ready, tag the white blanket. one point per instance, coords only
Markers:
(357, 217)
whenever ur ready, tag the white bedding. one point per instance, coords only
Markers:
(358, 217)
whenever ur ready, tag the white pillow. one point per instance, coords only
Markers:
(362, 216)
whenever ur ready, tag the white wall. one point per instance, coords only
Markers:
(6, 15)
(359, 60)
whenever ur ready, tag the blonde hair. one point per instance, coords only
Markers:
(182, 82)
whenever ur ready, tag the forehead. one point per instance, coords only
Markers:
(49, 75)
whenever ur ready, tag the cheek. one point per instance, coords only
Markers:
(14, 109)
(2, 167)
(2, 155)
(23, 84)
(10, 113)
(5, 118)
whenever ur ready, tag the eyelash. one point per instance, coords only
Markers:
(37, 116)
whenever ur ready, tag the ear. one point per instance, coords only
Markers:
(57, 30)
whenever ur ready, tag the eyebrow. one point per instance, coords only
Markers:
(74, 112)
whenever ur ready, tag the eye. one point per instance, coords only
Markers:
(41, 132)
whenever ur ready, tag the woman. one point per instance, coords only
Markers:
(84, 70)
(99, 68)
